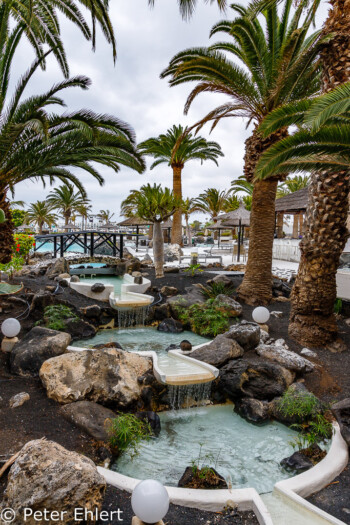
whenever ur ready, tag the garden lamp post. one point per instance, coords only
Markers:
(150, 503)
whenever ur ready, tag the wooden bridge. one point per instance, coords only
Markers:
(89, 241)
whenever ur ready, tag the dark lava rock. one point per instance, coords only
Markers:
(341, 411)
(98, 288)
(74, 279)
(79, 329)
(297, 462)
(189, 480)
(91, 312)
(253, 410)
(219, 351)
(228, 305)
(171, 326)
(152, 419)
(246, 334)
(161, 312)
(113, 344)
(35, 347)
(172, 269)
(260, 380)
(61, 265)
(185, 346)
(173, 346)
(89, 417)
(138, 279)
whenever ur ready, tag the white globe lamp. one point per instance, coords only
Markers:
(10, 329)
(261, 315)
(150, 502)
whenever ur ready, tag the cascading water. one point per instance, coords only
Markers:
(186, 396)
(132, 316)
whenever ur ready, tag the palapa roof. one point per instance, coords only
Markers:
(70, 226)
(108, 225)
(232, 218)
(217, 226)
(134, 221)
(293, 202)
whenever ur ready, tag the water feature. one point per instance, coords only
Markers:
(128, 317)
(248, 456)
(186, 396)
(142, 338)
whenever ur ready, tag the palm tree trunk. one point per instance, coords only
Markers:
(188, 231)
(6, 231)
(150, 232)
(312, 319)
(176, 233)
(158, 249)
(41, 228)
(256, 287)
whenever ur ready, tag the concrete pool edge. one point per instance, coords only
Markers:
(294, 489)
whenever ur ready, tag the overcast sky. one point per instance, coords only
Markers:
(131, 90)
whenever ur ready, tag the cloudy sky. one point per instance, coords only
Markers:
(131, 90)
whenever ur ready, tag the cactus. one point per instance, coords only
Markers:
(2, 216)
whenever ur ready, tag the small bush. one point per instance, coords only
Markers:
(193, 269)
(204, 319)
(302, 405)
(211, 291)
(126, 432)
(54, 316)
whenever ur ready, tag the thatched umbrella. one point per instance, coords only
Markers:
(239, 217)
(135, 222)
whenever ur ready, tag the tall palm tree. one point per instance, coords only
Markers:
(40, 213)
(321, 146)
(36, 144)
(67, 201)
(242, 185)
(231, 204)
(39, 21)
(176, 148)
(188, 207)
(154, 204)
(105, 216)
(279, 63)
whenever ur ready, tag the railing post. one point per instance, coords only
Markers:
(55, 247)
(114, 237)
(62, 246)
(121, 246)
(91, 244)
(85, 243)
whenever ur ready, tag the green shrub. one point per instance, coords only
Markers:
(54, 316)
(18, 217)
(225, 234)
(204, 319)
(214, 289)
(193, 269)
(302, 405)
(126, 432)
(313, 427)
(338, 305)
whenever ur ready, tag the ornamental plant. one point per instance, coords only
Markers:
(23, 245)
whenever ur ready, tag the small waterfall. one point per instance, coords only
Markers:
(186, 396)
(132, 316)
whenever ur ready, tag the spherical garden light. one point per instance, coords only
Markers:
(150, 502)
(261, 315)
(10, 329)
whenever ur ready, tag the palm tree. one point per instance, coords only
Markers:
(36, 144)
(279, 64)
(213, 202)
(176, 148)
(188, 207)
(187, 7)
(39, 22)
(291, 185)
(321, 146)
(242, 185)
(231, 204)
(67, 201)
(105, 216)
(40, 212)
(156, 205)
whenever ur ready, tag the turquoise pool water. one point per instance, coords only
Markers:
(141, 338)
(246, 455)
